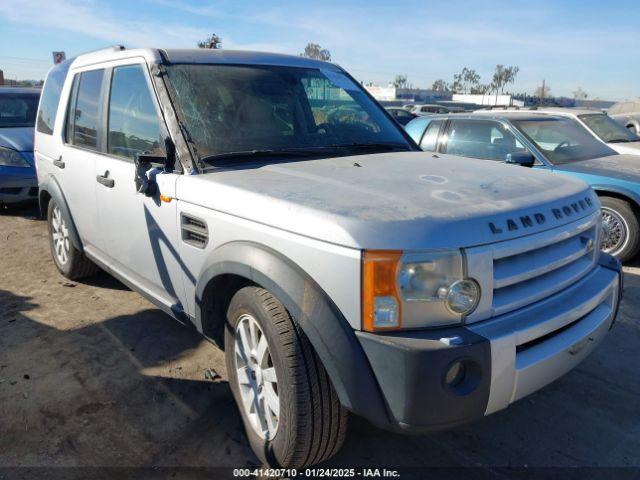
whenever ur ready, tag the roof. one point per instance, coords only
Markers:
(570, 111)
(200, 55)
(512, 114)
(221, 56)
(7, 89)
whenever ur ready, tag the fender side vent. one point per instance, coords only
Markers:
(194, 230)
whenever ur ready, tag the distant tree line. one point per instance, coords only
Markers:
(469, 81)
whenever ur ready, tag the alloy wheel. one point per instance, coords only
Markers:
(60, 235)
(257, 379)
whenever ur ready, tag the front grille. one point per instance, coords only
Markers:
(11, 190)
(533, 268)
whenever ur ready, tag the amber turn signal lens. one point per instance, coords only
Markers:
(380, 299)
(165, 199)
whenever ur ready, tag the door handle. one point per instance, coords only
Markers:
(59, 163)
(105, 180)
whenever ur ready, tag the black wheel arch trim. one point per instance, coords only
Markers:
(328, 331)
(51, 186)
(602, 190)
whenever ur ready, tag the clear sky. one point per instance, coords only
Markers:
(570, 43)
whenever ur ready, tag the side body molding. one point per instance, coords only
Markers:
(328, 331)
(50, 185)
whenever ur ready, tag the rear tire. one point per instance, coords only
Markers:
(621, 229)
(69, 261)
(311, 422)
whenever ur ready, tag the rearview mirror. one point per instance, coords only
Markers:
(524, 159)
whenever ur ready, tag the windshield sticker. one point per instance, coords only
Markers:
(339, 79)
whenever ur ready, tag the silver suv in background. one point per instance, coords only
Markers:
(270, 202)
(601, 126)
(627, 114)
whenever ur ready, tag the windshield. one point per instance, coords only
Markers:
(608, 129)
(250, 109)
(562, 140)
(18, 109)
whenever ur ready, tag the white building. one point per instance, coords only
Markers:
(487, 99)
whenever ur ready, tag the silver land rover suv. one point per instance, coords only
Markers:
(272, 203)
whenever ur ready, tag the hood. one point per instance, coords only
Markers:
(632, 148)
(394, 200)
(17, 138)
(620, 167)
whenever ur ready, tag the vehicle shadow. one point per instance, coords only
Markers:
(128, 391)
(26, 210)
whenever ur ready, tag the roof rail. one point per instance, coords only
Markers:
(111, 48)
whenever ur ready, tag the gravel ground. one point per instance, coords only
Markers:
(91, 374)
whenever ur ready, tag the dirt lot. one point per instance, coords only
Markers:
(93, 375)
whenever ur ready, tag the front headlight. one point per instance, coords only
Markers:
(11, 158)
(415, 289)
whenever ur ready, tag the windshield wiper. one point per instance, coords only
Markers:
(620, 140)
(301, 152)
(249, 154)
(371, 146)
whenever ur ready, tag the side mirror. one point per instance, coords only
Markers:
(167, 161)
(145, 162)
(524, 159)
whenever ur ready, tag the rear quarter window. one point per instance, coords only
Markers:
(50, 98)
(84, 117)
(415, 128)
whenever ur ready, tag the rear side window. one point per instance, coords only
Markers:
(482, 139)
(134, 126)
(84, 123)
(51, 98)
(429, 142)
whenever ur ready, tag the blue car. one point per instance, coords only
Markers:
(549, 142)
(18, 108)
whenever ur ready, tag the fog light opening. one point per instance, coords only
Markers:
(455, 374)
(462, 376)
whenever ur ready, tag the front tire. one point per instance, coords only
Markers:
(289, 408)
(69, 261)
(621, 229)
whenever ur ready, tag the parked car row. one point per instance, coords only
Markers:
(18, 107)
(560, 142)
(268, 201)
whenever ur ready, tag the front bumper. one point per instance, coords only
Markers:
(505, 358)
(18, 185)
